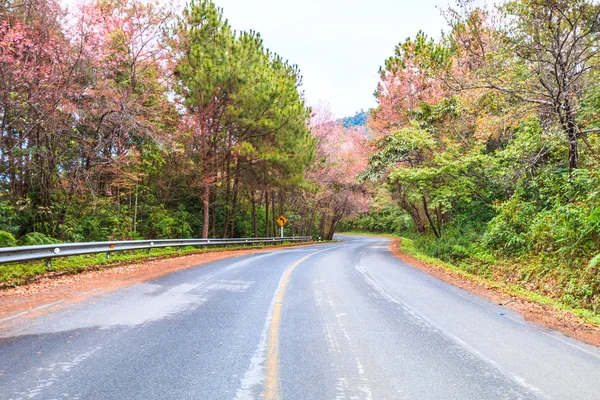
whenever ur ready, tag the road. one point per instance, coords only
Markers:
(343, 320)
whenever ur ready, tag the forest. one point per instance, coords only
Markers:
(487, 146)
(125, 119)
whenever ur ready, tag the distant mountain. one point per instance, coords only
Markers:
(359, 119)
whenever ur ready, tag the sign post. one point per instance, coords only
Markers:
(281, 221)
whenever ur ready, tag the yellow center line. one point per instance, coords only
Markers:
(272, 389)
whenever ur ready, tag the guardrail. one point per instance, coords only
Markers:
(48, 251)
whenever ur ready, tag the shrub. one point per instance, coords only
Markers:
(7, 239)
(36, 239)
(507, 232)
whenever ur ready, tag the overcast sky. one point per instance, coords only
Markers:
(338, 45)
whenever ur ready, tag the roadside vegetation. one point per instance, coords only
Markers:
(487, 144)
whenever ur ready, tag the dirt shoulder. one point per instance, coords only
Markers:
(52, 291)
(560, 320)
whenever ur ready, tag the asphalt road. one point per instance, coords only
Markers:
(337, 321)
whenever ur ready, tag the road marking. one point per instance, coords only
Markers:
(352, 383)
(49, 375)
(272, 389)
(431, 326)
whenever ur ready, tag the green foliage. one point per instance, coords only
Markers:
(36, 239)
(389, 220)
(491, 279)
(498, 174)
(461, 242)
(559, 217)
(546, 236)
(7, 239)
(97, 222)
(8, 218)
(165, 224)
(507, 232)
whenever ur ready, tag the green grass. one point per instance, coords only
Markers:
(12, 275)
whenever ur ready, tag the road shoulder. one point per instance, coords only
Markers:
(563, 321)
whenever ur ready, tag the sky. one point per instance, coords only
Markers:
(338, 45)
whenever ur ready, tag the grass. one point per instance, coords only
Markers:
(12, 275)
(408, 246)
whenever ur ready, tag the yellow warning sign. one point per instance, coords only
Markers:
(281, 221)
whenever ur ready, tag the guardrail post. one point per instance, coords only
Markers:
(107, 255)
(48, 264)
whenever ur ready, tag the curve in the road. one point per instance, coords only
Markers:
(336, 321)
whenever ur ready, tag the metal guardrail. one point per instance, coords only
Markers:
(48, 251)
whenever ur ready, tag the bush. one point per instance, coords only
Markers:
(457, 244)
(36, 239)
(7, 239)
(508, 231)
(554, 214)
(98, 222)
(388, 220)
(565, 230)
(8, 218)
(161, 223)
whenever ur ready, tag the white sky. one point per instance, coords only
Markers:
(338, 45)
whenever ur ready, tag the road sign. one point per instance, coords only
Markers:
(281, 221)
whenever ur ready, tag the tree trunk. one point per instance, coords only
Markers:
(570, 126)
(573, 150)
(439, 219)
(253, 201)
(311, 220)
(328, 227)
(206, 215)
(135, 210)
(433, 227)
(322, 225)
(274, 215)
(213, 210)
(414, 213)
(234, 206)
(280, 195)
(266, 213)
(236, 184)
(227, 206)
